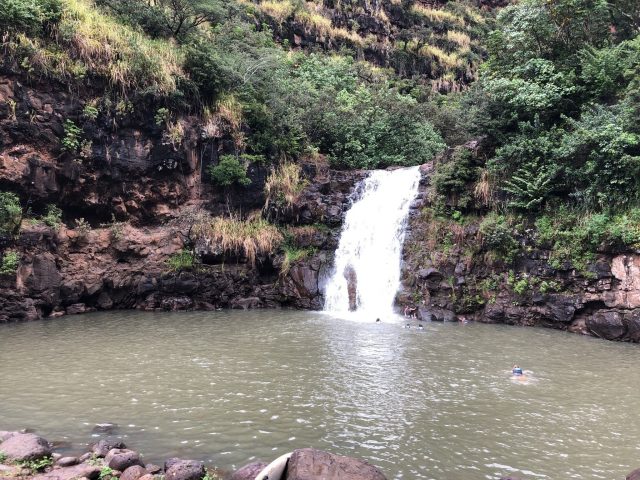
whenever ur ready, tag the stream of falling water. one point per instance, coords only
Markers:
(366, 275)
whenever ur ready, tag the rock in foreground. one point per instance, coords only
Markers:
(25, 446)
(311, 464)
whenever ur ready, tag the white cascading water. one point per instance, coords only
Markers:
(370, 245)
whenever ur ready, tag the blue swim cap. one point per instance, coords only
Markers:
(517, 371)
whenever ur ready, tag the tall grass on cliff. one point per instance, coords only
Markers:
(248, 238)
(283, 186)
(83, 42)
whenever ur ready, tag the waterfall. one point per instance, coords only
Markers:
(369, 252)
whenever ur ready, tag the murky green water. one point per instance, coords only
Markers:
(229, 387)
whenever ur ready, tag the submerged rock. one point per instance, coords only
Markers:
(107, 428)
(25, 446)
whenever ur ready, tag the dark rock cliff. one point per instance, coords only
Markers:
(452, 278)
(133, 186)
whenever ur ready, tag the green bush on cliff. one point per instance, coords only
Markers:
(229, 171)
(10, 263)
(183, 260)
(10, 213)
(29, 16)
(498, 236)
(53, 217)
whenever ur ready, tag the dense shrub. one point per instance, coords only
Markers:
(29, 16)
(10, 213)
(53, 217)
(498, 236)
(10, 263)
(452, 179)
(229, 171)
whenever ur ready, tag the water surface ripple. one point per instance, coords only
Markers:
(230, 387)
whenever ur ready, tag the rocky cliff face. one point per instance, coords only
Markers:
(133, 183)
(134, 186)
(451, 278)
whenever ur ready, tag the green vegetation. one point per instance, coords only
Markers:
(229, 171)
(559, 103)
(183, 260)
(72, 136)
(106, 473)
(228, 61)
(37, 465)
(10, 213)
(557, 107)
(53, 217)
(3, 457)
(10, 263)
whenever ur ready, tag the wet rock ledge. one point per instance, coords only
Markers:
(30, 457)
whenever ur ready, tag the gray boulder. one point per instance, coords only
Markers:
(67, 461)
(311, 464)
(25, 446)
(185, 470)
(606, 324)
(133, 473)
(121, 459)
(105, 445)
(635, 475)
(83, 470)
(4, 435)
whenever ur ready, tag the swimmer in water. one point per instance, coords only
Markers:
(518, 374)
(407, 326)
(377, 320)
(420, 327)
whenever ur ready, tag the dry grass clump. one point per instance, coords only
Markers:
(448, 60)
(462, 39)
(483, 190)
(301, 235)
(436, 15)
(278, 10)
(284, 184)
(250, 237)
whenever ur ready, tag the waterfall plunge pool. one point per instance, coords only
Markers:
(229, 387)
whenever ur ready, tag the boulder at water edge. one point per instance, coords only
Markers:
(121, 459)
(103, 447)
(635, 475)
(311, 464)
(184, 470)
(25, 446)
(249, 472)
(133, 473)
(91, 472)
